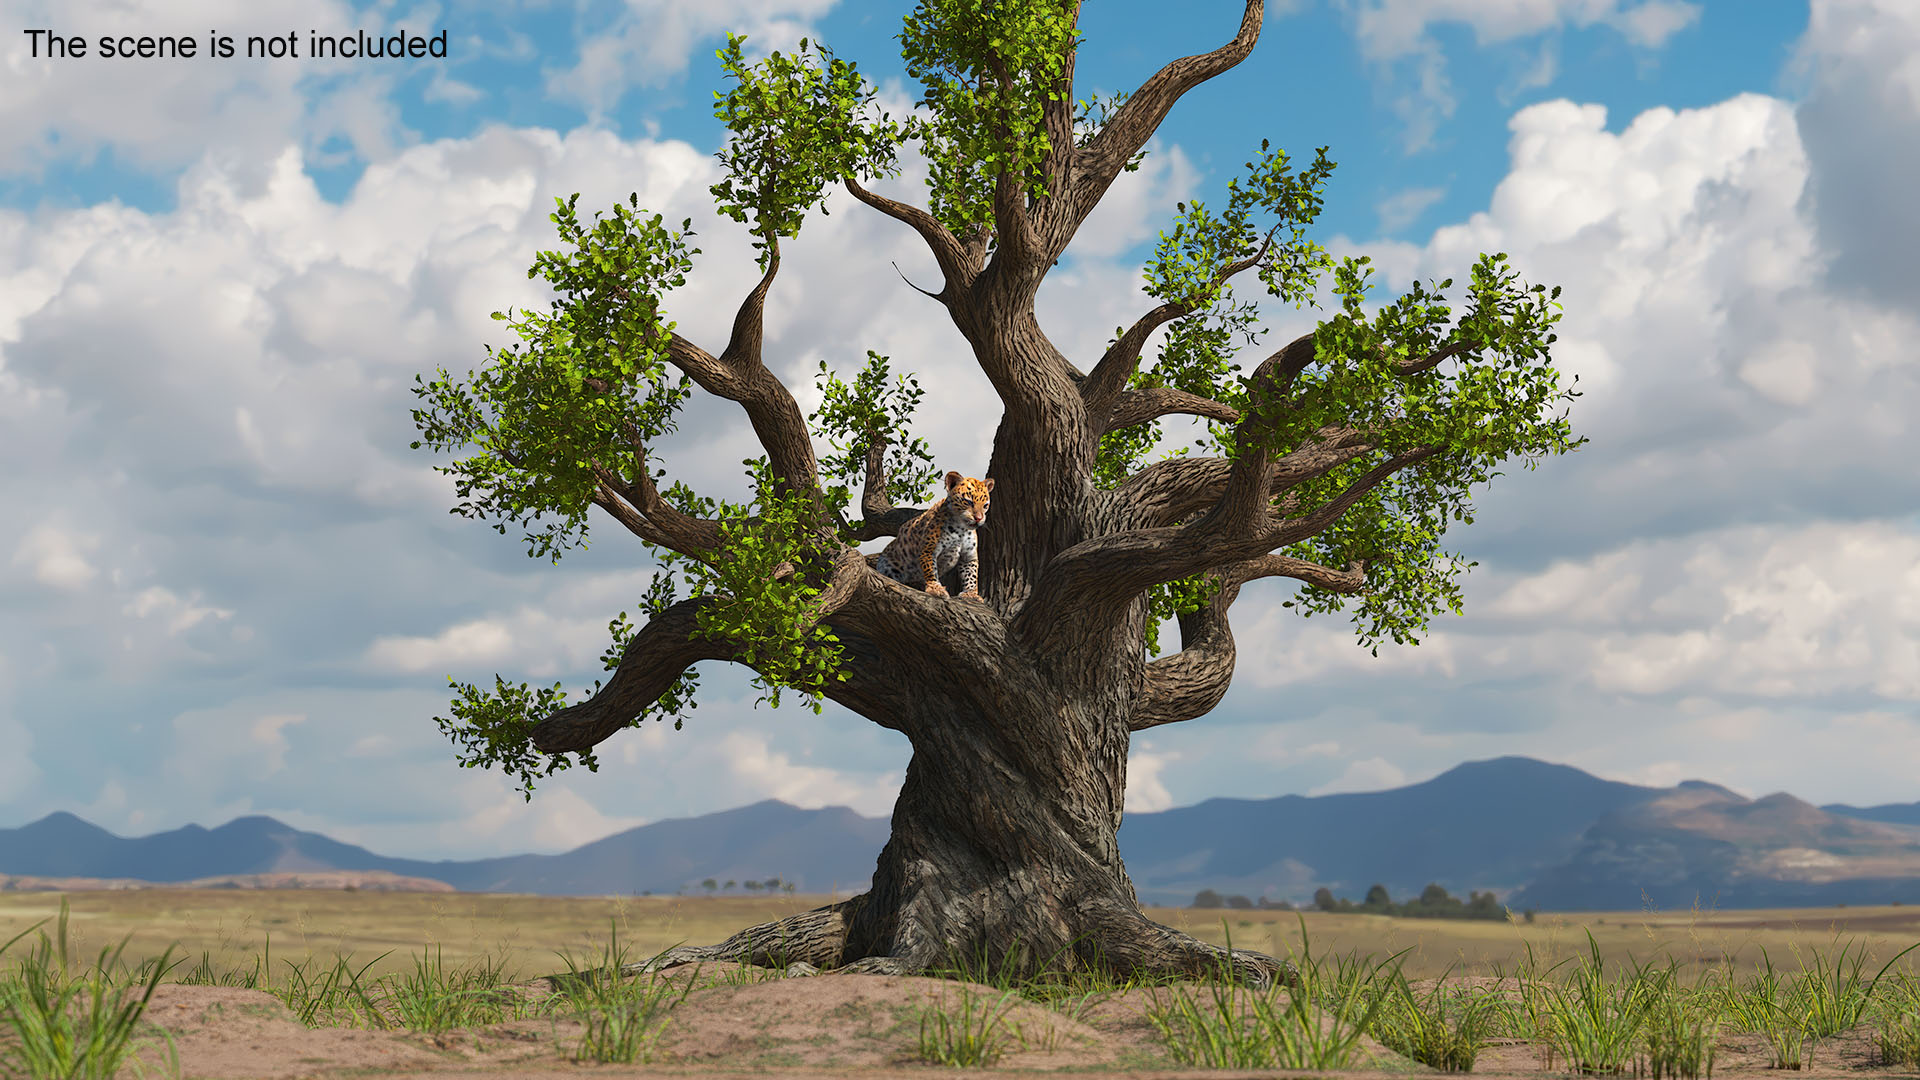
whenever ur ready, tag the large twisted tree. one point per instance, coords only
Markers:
(1335, 461)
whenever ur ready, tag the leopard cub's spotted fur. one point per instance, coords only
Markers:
(932, 543)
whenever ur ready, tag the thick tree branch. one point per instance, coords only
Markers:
(1139, 406)
(1432, 359)
(662, 650)
(959, 263)
(1109, 376)
(639, 507)
(1192, 681)
(874, 500)
(1091, 580)
(1173, 491)
(1102, 159)
(888, 523)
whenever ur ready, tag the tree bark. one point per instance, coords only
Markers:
(1003, 856)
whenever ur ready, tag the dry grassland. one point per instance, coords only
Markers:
(233, 927)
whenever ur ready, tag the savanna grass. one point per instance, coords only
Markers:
(66, 1023)
(1678, 1036)
(974, 1035)
(624, 1019)
(59, 1022)
(1445, 1029)
(1896, 1023)
(1318, 1026)
(1593, 1024)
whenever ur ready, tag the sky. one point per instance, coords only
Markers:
(228, 586)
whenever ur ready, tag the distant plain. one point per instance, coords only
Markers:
(232, 927)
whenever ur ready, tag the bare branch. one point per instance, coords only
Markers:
(1139, 406)
(1192, 681)
(1350, 580)
(1101, 160)
(958, 263)
(671, 642)
(910, 284)
(1109, 375)
(1090, 579)
(639, 507)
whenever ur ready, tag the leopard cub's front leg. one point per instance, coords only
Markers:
(930, 564)
(970, 573)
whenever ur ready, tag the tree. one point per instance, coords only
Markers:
(1335, 460)
(710, 885)
(1323, 899)
(1207, 898)
(1377, 897)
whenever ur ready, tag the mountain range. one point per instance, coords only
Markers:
(1539, 835)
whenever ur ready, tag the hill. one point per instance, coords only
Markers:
(1480, 825)
(816, 849)
(1540, 835)
(1720, 849)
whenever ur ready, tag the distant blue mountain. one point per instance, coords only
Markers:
(1538, 834)
(1891, 813)
(815, 849)
(1699, 844)
(1481, 825)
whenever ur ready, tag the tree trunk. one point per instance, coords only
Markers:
(1003, 856)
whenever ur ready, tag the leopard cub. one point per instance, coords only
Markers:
(943, 535)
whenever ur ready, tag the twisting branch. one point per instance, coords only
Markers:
(1101, 160)
(959, 263)
(1192, 681)
(1139, 406)
(1173, 491)
(639, 507)
(1092, 579)
(660, 652)
(1117, 364)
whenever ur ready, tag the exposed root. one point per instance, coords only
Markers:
(1124, 944)
(1132, 945)
(881, 965)
(802, 944)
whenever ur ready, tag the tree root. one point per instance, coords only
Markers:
(802, 944)
(1127, 945)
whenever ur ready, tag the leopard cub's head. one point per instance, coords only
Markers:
(968, 498)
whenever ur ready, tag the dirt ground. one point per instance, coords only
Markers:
(823, 1025)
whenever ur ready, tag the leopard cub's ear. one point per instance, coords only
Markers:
(953, 480)
(989, 483)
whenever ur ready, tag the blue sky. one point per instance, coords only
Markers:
(229, 587)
